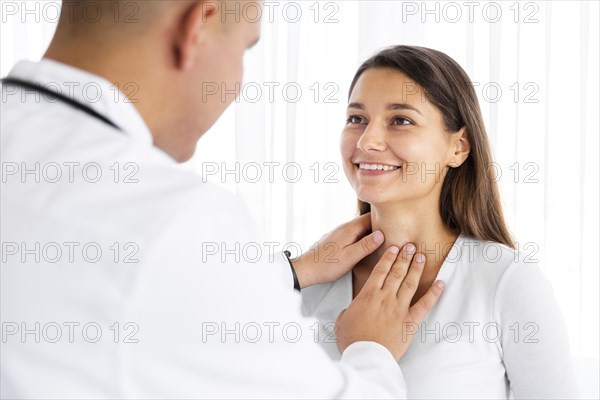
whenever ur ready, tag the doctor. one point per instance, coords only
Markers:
(124, 276)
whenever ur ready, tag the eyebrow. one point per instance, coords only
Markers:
(391, 106)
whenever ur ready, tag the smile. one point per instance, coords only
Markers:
(372, 169)
(377, 167)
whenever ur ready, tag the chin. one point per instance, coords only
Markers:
(372, 198)
(377, 198)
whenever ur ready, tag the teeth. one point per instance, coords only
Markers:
(377, 167)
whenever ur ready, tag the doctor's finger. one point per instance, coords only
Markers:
(365, 246)
(382, 269)
(400, 268)
(359, 226)
(410, 283)
(421, 308)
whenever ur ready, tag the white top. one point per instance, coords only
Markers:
(496, 327)
(110, 284)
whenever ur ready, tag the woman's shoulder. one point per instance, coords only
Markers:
(504, 270)
(492, 257)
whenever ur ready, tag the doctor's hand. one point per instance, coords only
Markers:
(337, 252)
(381, 312)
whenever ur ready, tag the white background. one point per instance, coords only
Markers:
(535, 66)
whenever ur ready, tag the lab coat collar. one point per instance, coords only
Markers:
(89, 89)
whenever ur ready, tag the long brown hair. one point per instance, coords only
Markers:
(470, 199)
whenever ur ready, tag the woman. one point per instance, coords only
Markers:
(415, 151)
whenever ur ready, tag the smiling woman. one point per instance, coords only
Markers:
(439, 117)
(416, 152)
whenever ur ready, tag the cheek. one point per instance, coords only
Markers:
(347, 149)
(432, 155)
(416, 149)
(347, 145)
(425, 157)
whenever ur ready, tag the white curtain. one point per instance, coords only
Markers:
(535, 66)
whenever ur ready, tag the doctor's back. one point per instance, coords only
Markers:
(100, 230)
(106, 289)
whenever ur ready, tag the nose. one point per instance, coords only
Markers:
(373, 138)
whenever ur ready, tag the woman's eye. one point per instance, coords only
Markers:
(402, 121)
(354, 119)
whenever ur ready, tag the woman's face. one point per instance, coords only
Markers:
(395, 147)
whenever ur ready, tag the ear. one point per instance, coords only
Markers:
(191, 28)
(460, 148)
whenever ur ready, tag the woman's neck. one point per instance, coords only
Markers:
(403, 224)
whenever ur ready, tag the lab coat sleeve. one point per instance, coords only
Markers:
(217, 321)
(534, 339)
(288, 278)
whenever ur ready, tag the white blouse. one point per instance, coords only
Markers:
(497, 329)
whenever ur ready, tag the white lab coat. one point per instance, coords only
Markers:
(110, 288)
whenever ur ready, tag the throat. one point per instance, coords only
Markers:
(362, 272)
